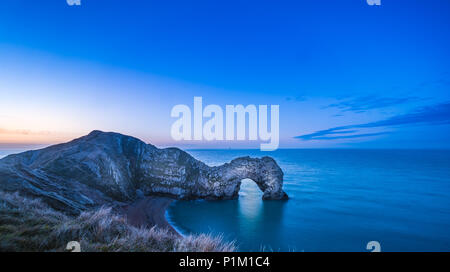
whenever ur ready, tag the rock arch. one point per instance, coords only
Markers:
(265, 172)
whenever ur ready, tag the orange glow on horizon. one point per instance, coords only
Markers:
(28, 137)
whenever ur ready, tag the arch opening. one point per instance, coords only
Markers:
(249, 188)
(250, 201)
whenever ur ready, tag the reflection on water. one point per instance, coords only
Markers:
(248, 217)
(255, 215)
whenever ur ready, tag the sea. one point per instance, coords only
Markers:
(340, 200)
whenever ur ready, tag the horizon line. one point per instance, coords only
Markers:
(24, 147)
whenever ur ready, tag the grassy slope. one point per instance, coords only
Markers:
(29, 225)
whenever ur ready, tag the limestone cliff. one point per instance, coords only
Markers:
(106, 167)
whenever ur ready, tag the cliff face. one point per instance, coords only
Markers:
(109, 167)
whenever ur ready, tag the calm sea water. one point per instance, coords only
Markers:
(339, 201)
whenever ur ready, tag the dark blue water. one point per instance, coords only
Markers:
(339, 201)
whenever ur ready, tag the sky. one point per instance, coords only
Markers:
(345, 74)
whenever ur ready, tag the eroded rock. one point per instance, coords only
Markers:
(106, 167)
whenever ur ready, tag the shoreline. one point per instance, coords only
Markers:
(150, 211)
(171, 223)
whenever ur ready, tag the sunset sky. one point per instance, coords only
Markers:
(344, 73)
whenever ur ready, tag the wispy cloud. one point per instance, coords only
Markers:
(349, 136)
(431, 115)
(369, 102)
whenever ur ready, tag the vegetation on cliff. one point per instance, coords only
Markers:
(30, 225)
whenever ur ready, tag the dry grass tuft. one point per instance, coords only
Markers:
(30, 225)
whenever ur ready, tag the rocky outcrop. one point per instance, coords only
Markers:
(105, 167)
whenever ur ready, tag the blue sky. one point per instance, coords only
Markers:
(344, 73)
